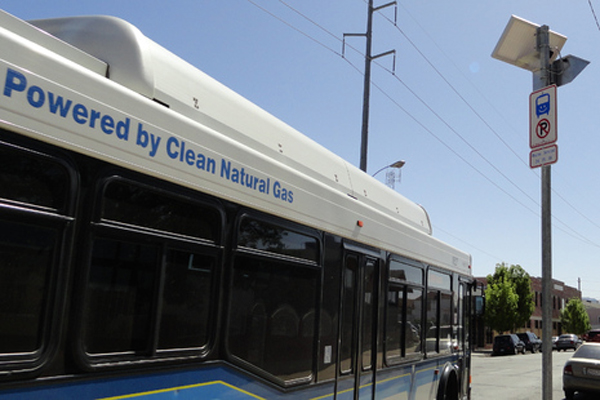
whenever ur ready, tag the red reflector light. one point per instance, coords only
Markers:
(568, 370)
(359, 223)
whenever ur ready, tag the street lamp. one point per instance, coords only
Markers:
(398, 164)
(535, 48)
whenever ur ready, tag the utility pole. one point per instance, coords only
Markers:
(364, 136)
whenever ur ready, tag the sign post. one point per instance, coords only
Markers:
(533, 47)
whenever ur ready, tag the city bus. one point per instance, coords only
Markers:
(162, 237)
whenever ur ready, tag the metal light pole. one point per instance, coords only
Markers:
(543, 47)
(514, 47)
(397, 164)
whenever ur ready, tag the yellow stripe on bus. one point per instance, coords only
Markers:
(130, 396)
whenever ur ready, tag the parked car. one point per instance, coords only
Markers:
(592, 336)
(508, 344)
(554, 339)
(531, 341)
(567, 341)
(582, 371)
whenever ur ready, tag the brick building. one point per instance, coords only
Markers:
(561, 294)
(593, 311)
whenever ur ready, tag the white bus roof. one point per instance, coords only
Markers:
(113, 48)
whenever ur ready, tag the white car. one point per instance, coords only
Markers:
(582, 372)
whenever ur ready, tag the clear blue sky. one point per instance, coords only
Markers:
(458, 117)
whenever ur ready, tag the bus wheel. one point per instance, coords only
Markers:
(448, 387)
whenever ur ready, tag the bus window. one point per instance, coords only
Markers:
(271, 323)
(412, 332)
(186, 298)
(439, 334)
(273, 300)
(120, 296)
(31, 250)
(32, 179)
(152, 265)
(347, 332)
(27, 254)
(395, 323)
(141, 206)
(405, 299)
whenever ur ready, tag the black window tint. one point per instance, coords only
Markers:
(30, 178)
(439, 335)
(347, 339)
(263, 236)
(186, 300)
(27, 255)
(404, 272)
(403, 328)
(368, 311)
(149, 293)
(414, 301)
(137, 205)
(432, 320)
(439, 280)
(395, 322)
(271, 322)
(447, 336)
(120, 297)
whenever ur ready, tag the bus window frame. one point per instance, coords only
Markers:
(405, 285)
(97, 227)
(316, 265)
(60, 220)
(440, 291)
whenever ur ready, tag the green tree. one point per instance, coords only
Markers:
(574, 318)
(508, 284)
(501, 304)
(522, 283)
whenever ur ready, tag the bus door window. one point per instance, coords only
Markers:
(439, 313)
(358, 323)
(348, 315)
(369, 309)
(404, 311)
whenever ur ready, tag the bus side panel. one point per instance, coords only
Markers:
(206, 383)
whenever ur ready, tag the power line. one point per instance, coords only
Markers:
(594, 14)
(296, 29)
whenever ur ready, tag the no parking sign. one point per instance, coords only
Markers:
(542, 127)
(542, 117)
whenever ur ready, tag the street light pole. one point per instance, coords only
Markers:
(397, 164)
(515, 47)
(544, 50)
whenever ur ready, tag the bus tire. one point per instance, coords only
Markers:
(448, 387)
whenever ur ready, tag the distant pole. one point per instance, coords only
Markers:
(364, 136)
(543, 43)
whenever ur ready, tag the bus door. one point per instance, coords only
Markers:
(465, 312)
(358, 327)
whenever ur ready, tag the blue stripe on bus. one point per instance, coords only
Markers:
(221, 382)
